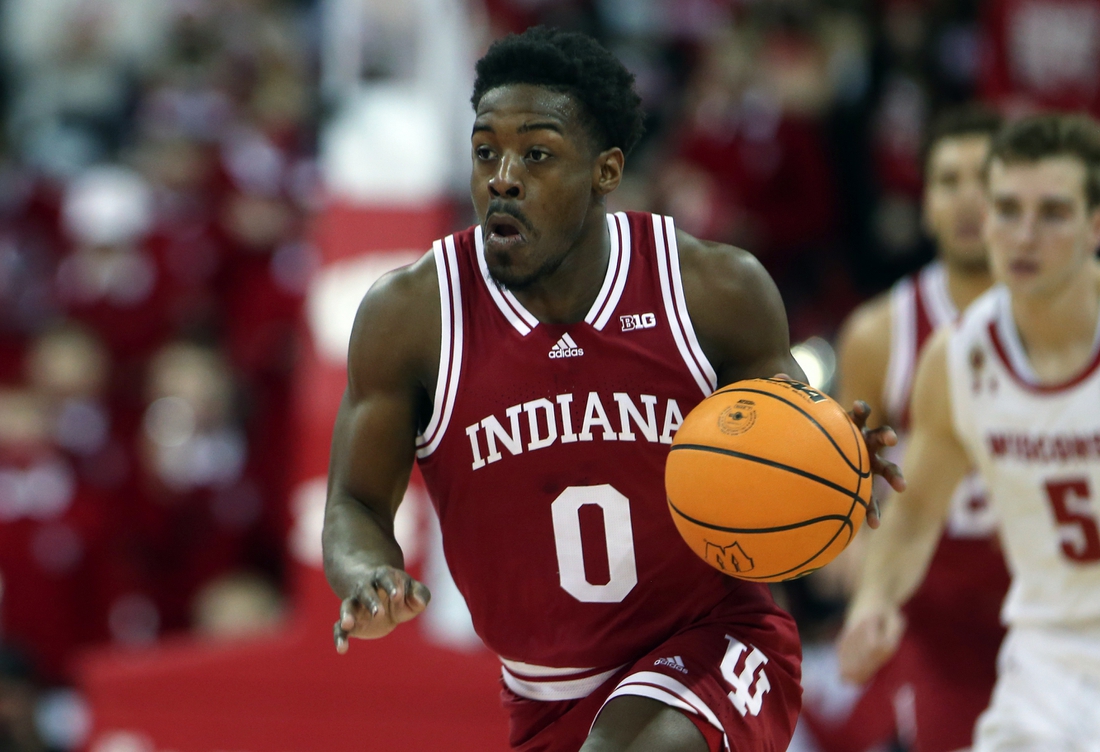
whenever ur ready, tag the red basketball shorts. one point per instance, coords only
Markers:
(738, 682)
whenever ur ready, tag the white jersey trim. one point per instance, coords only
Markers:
(513, 310)
(672, 293)
(450, 346)
(542, 682)
(936, 295)
(1014, 348)
(615, 282)
(669, 691)
(903, 348)
(931, 285)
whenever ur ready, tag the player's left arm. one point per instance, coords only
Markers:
(739, 318)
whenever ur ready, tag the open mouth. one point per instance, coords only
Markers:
(504, 231)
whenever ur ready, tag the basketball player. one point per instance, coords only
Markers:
(1014, 390)
(537, 365)
(946, 666)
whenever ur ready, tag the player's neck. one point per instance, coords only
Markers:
(566, 295)
(965, 284)
(1058, 330)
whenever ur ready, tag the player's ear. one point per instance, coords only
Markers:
(608, 171)
(1094, 226)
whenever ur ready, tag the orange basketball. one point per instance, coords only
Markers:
(768, 480)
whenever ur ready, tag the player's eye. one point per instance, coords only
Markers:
(538, 155)
(483, 152)
(1056, 211)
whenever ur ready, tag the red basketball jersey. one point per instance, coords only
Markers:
(967, 578)
(545, 460)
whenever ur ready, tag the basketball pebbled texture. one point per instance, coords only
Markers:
(768, 480)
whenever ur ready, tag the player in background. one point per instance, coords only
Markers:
(946, 664)
(536, 365)
(1014, 390)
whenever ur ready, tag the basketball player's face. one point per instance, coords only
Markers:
(534, 180)
(1039, 229)
(954, 200)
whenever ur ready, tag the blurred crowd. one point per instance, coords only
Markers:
(157, 177)
(156, 174)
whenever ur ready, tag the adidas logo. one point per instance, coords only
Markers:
(565, 348)
(675, 663)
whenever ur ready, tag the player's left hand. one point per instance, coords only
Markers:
(877, 439)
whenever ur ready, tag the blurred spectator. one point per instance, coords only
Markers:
(239, 604)
(63, 530)
(74, 61)
(750, 164)
(201, 506)
(107, 279)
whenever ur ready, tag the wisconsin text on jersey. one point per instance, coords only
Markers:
(1045, 448)
(549, 422)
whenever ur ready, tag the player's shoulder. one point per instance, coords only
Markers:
(401, 292)
(735, 308)
(720, 271)
(975, 320)
(398, 320)
(870, 325)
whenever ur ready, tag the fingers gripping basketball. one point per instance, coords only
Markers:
(768, 479)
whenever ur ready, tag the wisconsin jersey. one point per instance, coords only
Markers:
(966, 580)
(1038, 448)
(545, 460)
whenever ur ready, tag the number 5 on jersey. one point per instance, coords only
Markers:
(1069, 500)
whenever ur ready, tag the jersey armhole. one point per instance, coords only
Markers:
(676, 311)
(450, 346)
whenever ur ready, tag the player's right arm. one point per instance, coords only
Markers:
(864, 354)
(898, 553)
(392, 358)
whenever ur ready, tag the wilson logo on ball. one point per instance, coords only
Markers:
(737, 419)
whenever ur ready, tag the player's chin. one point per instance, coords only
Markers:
(511, 275)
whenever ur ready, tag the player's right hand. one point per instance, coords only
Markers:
(382, 598)
(868, 641)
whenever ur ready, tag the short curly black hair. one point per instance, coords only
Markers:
(569, 63)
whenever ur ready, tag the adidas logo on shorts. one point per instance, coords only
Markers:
(675, 663)
(565, 348)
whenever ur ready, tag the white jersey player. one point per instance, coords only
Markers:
(1014, 390)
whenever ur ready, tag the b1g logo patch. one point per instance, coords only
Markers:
(737, 419)
(636, 321)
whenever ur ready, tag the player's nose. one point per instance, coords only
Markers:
(506, 181)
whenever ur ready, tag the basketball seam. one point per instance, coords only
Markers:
(805, 414)
(846, 523)
(859, 483)
(779, 529)
(772, 463)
